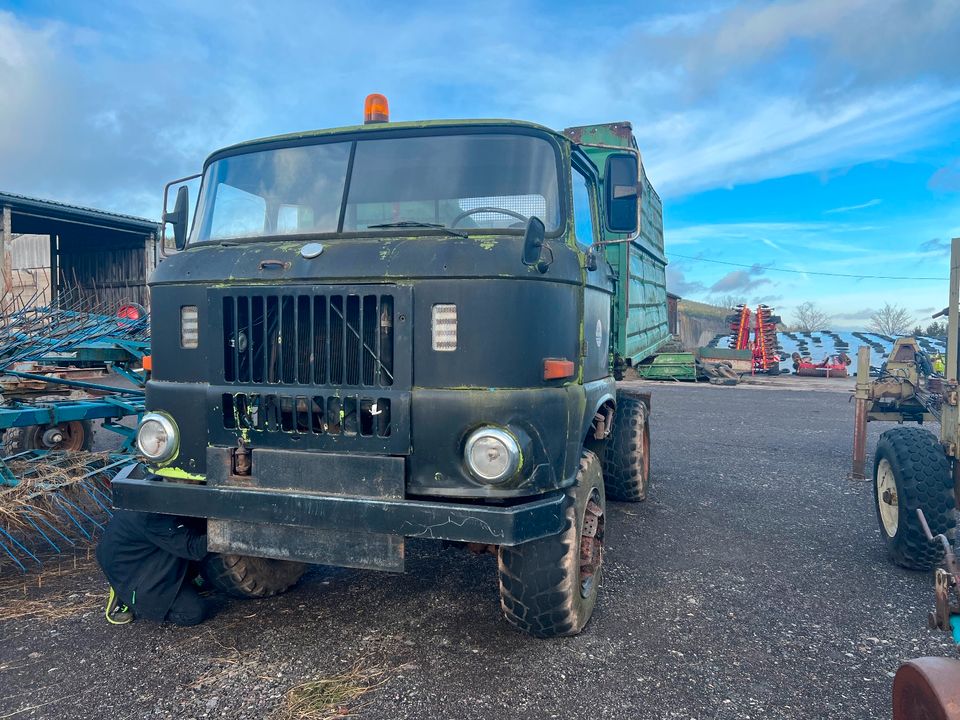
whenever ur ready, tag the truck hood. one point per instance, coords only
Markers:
(359, 259)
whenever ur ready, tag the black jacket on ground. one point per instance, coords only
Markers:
(146, 557)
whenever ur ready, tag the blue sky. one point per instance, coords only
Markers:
(799, 137)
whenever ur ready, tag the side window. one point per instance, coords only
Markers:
(582, 210)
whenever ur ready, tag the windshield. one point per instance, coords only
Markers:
(464, 182)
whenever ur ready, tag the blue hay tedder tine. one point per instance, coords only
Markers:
(18, 545)
(64, 497)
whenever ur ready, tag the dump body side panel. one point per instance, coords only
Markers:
(639, 320)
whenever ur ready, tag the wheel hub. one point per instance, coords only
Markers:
(71, 435)
(591, 545)
(887, 500)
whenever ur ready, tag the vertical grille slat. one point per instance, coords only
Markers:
(258, 341)
(352, 337)
(304, 320)
(337, 338)
(229, 348)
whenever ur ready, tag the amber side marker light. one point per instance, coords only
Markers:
(555, 369)
(375, 109)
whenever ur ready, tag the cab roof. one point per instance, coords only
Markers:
(380, 127)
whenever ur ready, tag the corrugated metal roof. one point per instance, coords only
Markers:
(59, 210)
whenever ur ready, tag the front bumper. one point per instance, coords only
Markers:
(135, 489)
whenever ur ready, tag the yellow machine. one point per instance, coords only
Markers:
(916, 485)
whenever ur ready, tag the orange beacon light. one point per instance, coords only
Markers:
(375, 109)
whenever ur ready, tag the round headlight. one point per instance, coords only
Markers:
(156, 437)
(492, 454)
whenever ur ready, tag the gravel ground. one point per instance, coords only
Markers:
(751, 585)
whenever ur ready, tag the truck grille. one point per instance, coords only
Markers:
(351, 415)
(337, 339)
(313, 367)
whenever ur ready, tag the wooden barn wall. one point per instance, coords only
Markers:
(108, 269)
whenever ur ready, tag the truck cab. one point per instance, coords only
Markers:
(406, 330)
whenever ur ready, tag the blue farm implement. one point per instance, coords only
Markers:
(54, 492)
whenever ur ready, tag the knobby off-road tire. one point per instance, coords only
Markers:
(911, 471)
(626, 459)
(242, 576)
(78, 435)
(548, 587)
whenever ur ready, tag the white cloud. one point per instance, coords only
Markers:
(105, 106)
(779, 136)
(851, 208)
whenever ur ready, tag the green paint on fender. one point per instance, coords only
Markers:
(177, 474)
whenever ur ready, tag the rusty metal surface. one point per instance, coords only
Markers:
(927, 689)
(859, 441)
(365, 551)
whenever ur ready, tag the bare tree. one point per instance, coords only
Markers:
(727, 302)
(809, 317)
(891, 320)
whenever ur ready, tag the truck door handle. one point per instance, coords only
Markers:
(279, 264)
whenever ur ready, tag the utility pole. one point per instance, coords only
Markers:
(6, 242)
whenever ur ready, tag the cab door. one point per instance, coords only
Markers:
(598, 283)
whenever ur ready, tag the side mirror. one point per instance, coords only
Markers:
(178, 218)
(622, 192)
(533, 242)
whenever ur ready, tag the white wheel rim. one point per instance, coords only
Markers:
(887, 499)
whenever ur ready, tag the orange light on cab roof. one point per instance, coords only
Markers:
(554, 369)
(375, 109)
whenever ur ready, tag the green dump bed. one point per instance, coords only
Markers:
(640, 308)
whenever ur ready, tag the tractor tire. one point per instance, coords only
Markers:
(243, 576)
(77, 435)
(626, 459)
(912, 471)
(548, 587)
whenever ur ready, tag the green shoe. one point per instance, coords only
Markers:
(117, 611)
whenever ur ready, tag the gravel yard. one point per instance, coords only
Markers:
(752, 584)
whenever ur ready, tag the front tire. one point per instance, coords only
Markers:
(243, 576)
(548, 587)
(626, 459)
(912, 471)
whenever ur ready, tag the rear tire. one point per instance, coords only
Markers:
(548, 587)
(626, 459)
(912, 471)
(243, 576)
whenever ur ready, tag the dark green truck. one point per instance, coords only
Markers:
(407, 330)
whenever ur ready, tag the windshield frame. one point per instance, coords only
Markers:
(563, 180)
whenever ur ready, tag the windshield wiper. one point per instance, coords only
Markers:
(415, 224)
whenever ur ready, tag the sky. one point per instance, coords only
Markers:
(786, 139)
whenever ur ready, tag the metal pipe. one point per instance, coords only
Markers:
(862, 398)
(950, 420)
(76, 383)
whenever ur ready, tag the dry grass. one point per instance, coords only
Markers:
(58, 505)
(333, 697)
(41, 481)
(52, 595)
